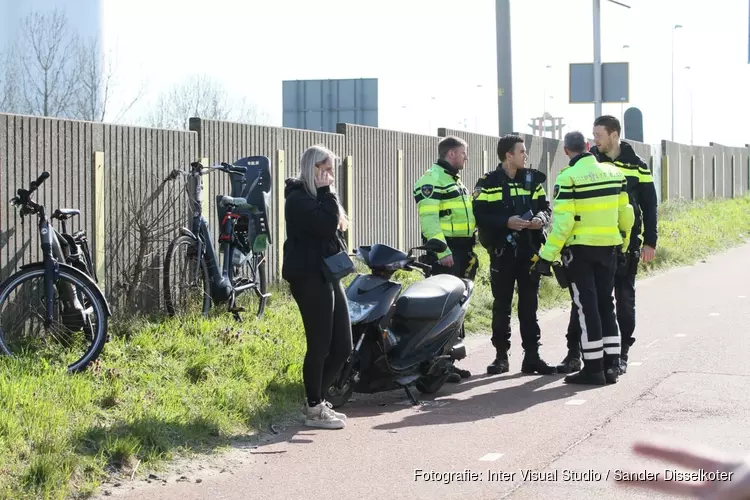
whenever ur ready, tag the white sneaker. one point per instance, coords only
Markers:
(338, 415)
(323, 417)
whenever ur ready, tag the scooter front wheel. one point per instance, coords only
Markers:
(339, 397)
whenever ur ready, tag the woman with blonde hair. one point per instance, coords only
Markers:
(315, 222)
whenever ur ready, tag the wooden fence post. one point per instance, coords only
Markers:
(350, 203)
(714, 179)
(206, 192)
(99, 226)
(280, 221)
(665, 178)
(400, 222)
(692, 177)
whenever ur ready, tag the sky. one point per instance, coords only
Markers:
(420, 49)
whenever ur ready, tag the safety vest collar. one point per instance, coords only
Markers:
(585, 157)
(627, 154)
(448, 168)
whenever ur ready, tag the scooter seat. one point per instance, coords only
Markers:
(431, 298)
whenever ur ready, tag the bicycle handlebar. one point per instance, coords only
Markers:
(197, 169)
(23, 199)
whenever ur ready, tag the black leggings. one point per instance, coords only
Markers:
(325, 314)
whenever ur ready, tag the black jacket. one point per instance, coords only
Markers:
(312, 231)
(492, 214)
(641, 191)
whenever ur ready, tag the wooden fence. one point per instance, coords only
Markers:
(116, 176)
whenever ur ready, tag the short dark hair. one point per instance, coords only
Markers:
(575, 142)
(450, 142)
(506, 144)
(610, 123)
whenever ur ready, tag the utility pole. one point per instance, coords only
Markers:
(504, 68)
(597, 59)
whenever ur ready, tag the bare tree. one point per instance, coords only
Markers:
(204, 97)
(97, 81)
(8, 82)
(46, 50)
(52, 71)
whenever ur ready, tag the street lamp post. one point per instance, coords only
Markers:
(622, 101)
(674, 28)
(544, 107)
(691, 107)
(597, 11)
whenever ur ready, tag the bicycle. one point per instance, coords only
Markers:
(68, 291)
(245, 233)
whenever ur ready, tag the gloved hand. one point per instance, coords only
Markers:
(541, 266)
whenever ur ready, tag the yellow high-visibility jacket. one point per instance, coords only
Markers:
(590, 207)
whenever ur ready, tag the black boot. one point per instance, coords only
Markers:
(500, 365)
(611, 375)
(457, 374)
(571, 363)
(587, 378)
(591, 374)
(532, 363)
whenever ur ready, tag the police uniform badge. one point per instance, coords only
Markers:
(556, 191)
(477, 192)
(427, 190)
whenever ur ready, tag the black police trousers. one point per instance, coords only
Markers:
(507, 270)
(591, 272)
(465, 261)
(624, 286)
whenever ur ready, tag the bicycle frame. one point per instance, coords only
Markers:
(221, 280)
(52, 254)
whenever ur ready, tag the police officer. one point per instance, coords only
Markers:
(610, 149)
(591, 221)
(445, 213)
(501, 199)
(445, 210)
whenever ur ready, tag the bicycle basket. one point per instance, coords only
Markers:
(254, 225)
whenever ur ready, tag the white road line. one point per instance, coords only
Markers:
(742, 296)
(491, 457)
(680, 335)
(652, 343)
(714, 314)
(575, 402)
(635, 363)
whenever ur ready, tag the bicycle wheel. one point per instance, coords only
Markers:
(182, 292)
(79, 317)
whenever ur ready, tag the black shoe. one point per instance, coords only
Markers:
(453, 378)
(462, 373)
(500, 365)
(532, 363)
(571, 363)
(586, 377)
(611, 375)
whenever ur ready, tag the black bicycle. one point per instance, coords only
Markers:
(58, 294)
(243, 239)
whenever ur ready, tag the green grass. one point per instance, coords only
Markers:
(185, 386)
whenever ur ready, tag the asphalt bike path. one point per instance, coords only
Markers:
(521, 436)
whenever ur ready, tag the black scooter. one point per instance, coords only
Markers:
(402, 339)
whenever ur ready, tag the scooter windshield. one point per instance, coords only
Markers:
(382, 255)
